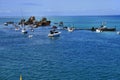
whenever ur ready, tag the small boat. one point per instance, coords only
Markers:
(118, 32)
(24, 31)
(32, 30)
(6, 24)
(23, 28)
(54, 34)
(70, 29)
(30, 36)
(98, 30)
(61, 23)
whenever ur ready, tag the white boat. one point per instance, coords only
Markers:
(24, 31)
(6, 24)
(70, 29)
(30, 36)
(54, 34)
(98, 30)
(118, 32)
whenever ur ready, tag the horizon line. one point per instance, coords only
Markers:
(56, 15)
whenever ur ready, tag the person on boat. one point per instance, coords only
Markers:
(92, 28)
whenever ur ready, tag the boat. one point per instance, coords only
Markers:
(98, 30)
(32, 30)
(70, 29)
(54, 33)
(103, 29)
(30, 36)
(118, 32)
(6, 24)
(61, 23)
(108, 29)
(23, 28)
(24, 31)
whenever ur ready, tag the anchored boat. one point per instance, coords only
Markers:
(54, 33)
(103, 28)
(118, 32)
(70, 29)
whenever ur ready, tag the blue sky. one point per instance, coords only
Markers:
(59, 7)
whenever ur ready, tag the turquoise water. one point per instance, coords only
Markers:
(79, 55)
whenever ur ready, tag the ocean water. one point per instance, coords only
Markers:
(77, 55)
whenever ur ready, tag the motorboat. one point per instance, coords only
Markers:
(23, 28)
(6, 24)
(98, 30)
(30, 36)
(24, 31)
(118, 32)
(70, 29)
(54, 34)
